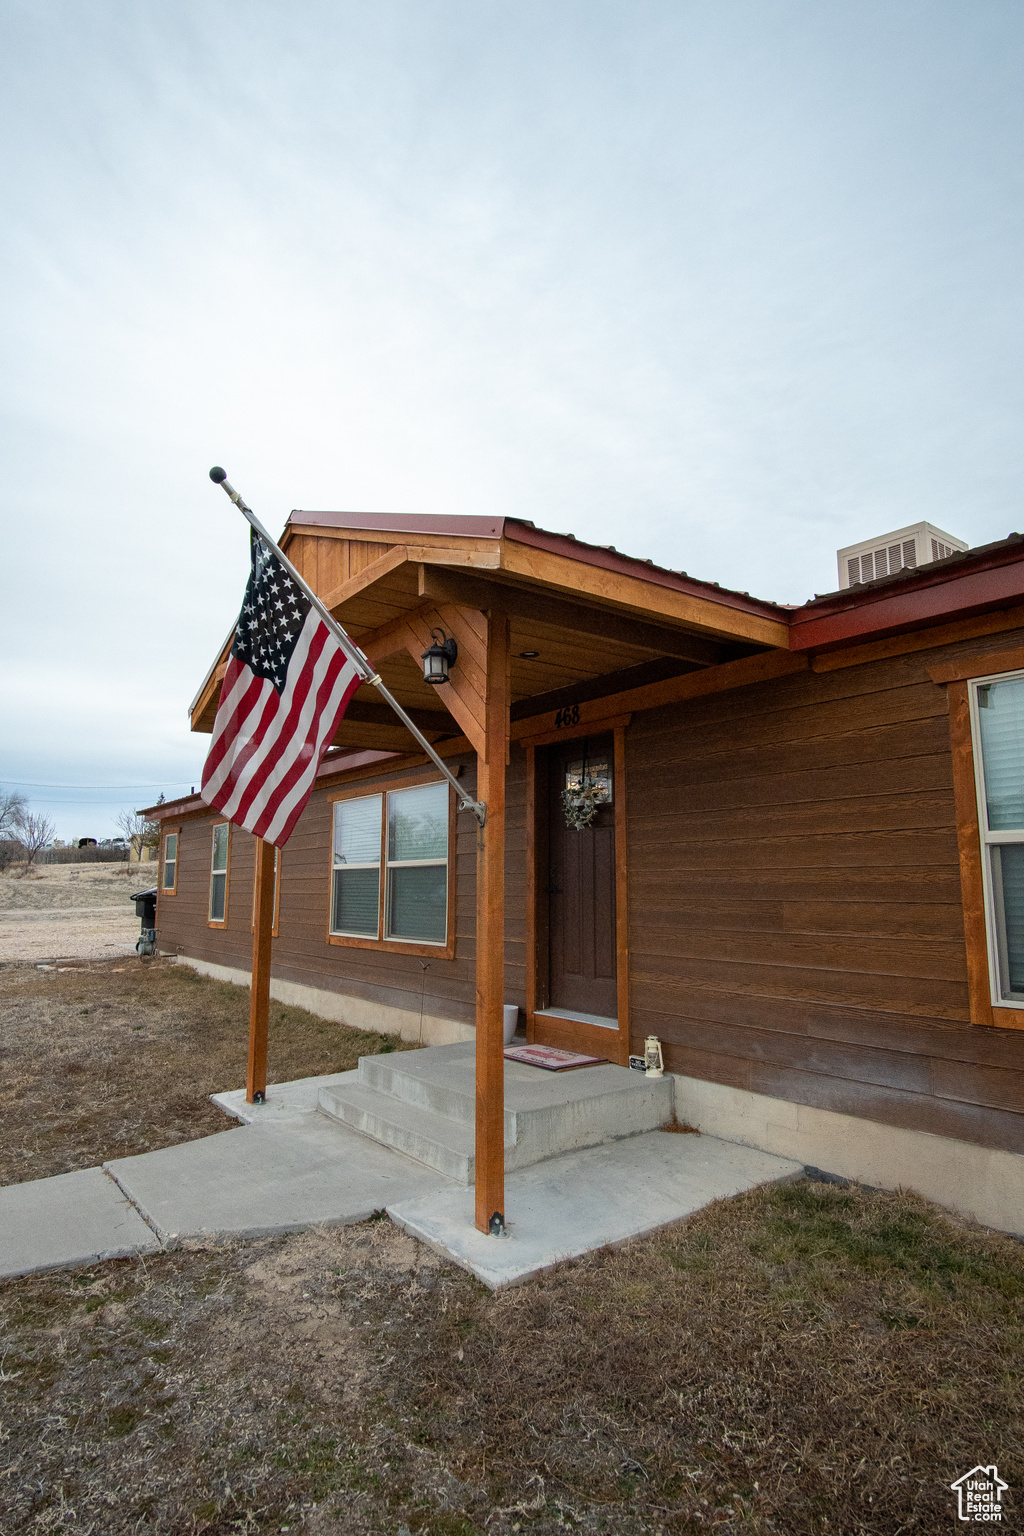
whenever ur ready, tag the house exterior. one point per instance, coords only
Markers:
(805, 874)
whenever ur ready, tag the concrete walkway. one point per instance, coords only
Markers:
(289, 1167)
(75, 1218)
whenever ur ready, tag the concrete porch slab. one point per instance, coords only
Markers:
(590, 1199)
(284, 1100)
(73, 1218)
(423, 1104)
(304, 1171)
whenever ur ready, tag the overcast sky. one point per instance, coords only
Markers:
(728, 285)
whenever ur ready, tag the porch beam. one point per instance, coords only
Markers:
(490, 934)
(428, 720)
(473, 591)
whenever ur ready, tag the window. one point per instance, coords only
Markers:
(417, 865)
(355, 899)
(277, 893)
(219, 874)
(389, 873)
(998, 721)
(169, 878)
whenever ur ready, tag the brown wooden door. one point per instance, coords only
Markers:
(581, 888)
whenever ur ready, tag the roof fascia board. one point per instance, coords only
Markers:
(642, 570)
(644, 594)
(890, 611)
(748, 670)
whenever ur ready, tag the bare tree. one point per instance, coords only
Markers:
(139, 832)
(13, 807)
(34, 832)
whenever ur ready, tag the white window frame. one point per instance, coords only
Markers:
(994, 919)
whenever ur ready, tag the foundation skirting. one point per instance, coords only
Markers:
(980, 1182)
(356, 1012)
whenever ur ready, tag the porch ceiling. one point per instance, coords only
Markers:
(580, 627)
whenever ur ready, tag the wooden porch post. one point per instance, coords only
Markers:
(490, 935)
(259, 999)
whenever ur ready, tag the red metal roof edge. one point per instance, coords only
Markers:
(610, 559)
(936, 573)
(941, 590)
(522, 531)
(973, 582)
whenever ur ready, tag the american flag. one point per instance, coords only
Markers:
(287, 685)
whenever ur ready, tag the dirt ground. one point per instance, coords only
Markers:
(804, 1360)
(70, 911)
(112, 1058)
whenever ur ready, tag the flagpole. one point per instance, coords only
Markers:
(352, 651)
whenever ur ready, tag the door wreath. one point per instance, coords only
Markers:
(582, 803)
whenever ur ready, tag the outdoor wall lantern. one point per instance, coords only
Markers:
(438, 657)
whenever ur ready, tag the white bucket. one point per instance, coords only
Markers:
(511, 1021)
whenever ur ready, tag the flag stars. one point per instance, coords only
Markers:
(272, 617)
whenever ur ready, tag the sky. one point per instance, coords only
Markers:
(725, 283)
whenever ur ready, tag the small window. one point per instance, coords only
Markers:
(999, 733)
(584, 770)
(417, 868)
(219, 873)
(355, 898)
(169, 882)
(389, 868)
(277, 893)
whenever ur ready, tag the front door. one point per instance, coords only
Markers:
(581, 886)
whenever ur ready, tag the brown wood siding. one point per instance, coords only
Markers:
(795, 917)
(301, 952)
(796, 926)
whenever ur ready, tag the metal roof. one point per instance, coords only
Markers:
(522, 531)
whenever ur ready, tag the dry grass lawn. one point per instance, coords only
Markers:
(803, 1359)
(109, 1059)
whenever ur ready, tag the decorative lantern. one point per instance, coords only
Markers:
(655, 1064)
(437, 658)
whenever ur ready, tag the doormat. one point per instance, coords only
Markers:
(550, 1057)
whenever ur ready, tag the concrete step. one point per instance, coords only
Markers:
(423, 1103)
(429, 1138)
(446, 1087)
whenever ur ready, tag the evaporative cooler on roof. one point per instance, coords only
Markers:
(904, 549)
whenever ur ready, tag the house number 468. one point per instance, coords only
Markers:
(568, 716)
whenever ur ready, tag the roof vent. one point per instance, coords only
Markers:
(904, 549)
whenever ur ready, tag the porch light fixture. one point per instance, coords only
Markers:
(529, 655)
(437, 658)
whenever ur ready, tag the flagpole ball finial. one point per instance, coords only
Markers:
(217, 474)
